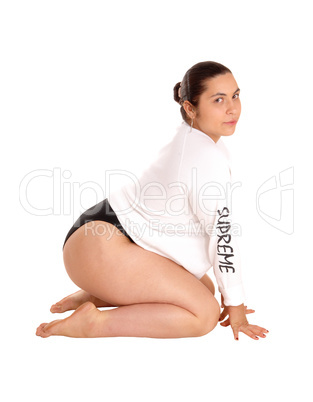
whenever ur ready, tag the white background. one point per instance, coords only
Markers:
(87, 87)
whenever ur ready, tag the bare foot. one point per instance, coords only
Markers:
(81, 324)
(72, 302)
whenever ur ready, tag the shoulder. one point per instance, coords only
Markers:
(202, 150)
(207, 158)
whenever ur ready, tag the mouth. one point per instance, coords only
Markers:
(231, 122)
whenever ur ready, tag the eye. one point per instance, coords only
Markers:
(218, 100)
(236, 96)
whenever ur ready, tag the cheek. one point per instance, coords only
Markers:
(218, 116)
(210, 114)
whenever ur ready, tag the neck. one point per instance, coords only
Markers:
(215, 138)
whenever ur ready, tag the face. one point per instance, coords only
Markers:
(218, 109)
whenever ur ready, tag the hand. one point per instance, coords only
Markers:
(239, 323)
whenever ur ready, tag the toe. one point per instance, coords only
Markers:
(56, 308)
(40, 330)
(52, 328)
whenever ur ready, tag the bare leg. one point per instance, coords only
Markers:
(158, 297)
(206, 280)
(139, 320)
(73, 301)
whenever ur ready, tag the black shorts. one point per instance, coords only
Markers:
(99, 212)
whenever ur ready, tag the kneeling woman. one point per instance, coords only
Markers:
(145, 249)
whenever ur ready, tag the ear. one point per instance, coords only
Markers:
(189, 109)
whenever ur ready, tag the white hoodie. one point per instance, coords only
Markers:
(179, 209)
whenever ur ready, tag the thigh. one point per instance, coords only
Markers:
(112, 268)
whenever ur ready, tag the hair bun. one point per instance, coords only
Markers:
(176, 88)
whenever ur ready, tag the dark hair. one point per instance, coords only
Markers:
(193, 83)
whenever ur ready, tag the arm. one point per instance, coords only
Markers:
(209, 202)
(212, 210)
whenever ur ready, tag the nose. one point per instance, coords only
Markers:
(233, 107)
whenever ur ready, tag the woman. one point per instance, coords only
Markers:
(146, 248)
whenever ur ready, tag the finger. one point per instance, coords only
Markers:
(259, 331)
(254, 332)
(236, 333)
(249, 311)
(223, 315)
(249, 333)
(225, 323)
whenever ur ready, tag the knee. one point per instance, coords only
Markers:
(208, 319)
(207, 281)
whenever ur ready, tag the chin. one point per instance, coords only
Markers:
(228, 134)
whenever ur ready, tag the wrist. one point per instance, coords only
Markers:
(241, 306)
(236, 310)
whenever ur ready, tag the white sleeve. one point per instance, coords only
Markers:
(209, 202)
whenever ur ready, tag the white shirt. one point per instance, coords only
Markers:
(178, 209)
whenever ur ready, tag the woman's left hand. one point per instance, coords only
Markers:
(239, 323)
